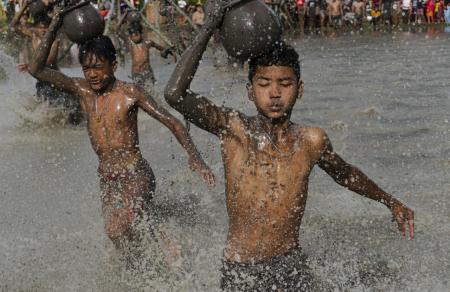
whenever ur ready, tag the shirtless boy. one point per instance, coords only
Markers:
(358, 8)
(267, 160)
(142, 72)
(336, 13)
(111, 107)
(44, 93)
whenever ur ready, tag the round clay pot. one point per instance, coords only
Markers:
(82, 23)
(134, 16)
(249, 30)
(36, 7)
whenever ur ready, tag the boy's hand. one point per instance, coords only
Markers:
(214, 12)
(404, 217)
(22, 68)
(56, 21)
(196, 162)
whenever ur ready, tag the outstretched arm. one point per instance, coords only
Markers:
(38, 68)
(148, 104)
(195, 108)
(15, 22)
(355, 180)
(120, 32)
(160, 48)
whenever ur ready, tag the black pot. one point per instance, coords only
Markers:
(36, 7)
(249, 30)
(134, 16)
(82, 23)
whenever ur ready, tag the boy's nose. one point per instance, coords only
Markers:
(275, 91)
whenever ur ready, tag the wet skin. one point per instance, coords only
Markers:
(266, 192)
(336, 8)
(139, 47)
(114, 138)
(36, 36)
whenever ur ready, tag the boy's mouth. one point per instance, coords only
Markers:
(275, 107)
(95, 82)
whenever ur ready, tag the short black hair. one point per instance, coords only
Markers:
(135, 27)
(42, 18)
(102, 47)
(281, 55)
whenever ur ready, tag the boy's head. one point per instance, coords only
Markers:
(376, 8)
(135, 30)
(42, 22)
(274, 81)
(98, 60)
(199, 8)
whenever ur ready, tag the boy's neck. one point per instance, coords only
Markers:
(274, 127)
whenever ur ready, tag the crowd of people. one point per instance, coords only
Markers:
(314, 13)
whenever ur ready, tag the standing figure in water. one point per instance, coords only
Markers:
(111, 108)
(142, 72)
(267, 160)
(47, 95)
(41, 22)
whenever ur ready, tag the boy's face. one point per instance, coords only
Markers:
(41, 29)
(98, 73)
(136, 37)
(199, 9)
(274, 90)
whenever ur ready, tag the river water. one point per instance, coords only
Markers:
(382, 98)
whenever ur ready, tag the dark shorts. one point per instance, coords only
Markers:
(132, 190)
(286, 272)
(359, 17)
(337, 20)
(145, 79)
(375, 21)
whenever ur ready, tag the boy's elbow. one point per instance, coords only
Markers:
(172, 95)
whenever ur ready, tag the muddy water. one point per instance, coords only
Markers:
(382, 98)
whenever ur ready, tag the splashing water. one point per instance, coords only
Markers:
(382, 98)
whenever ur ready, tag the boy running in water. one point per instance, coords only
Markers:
(142, 72)
(267, 160)
(44, 93)
(111, 108)
(47, 95)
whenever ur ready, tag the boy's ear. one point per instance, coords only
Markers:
(114, 65)
(300, 89)
(250, 91)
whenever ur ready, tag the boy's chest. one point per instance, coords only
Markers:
(113, 112)
(257, 163)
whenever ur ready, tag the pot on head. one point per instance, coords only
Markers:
(249, 30)
(36, 7)
(82, 23)
(134, 16)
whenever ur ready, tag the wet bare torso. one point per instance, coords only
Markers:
(52, 61)
(335, 8)
(358, 7)
(266, 193)
(140, 55)
(115, 138)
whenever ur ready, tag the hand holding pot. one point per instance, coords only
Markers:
(215, 10)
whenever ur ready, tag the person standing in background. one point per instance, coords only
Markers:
(311, 12)
(430, 11)
(199, 16)
(301, 13)
(406, 11)
(447, 11)
(323, 5)
(420, 15)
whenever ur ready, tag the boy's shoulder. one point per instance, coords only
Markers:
(316, 136)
